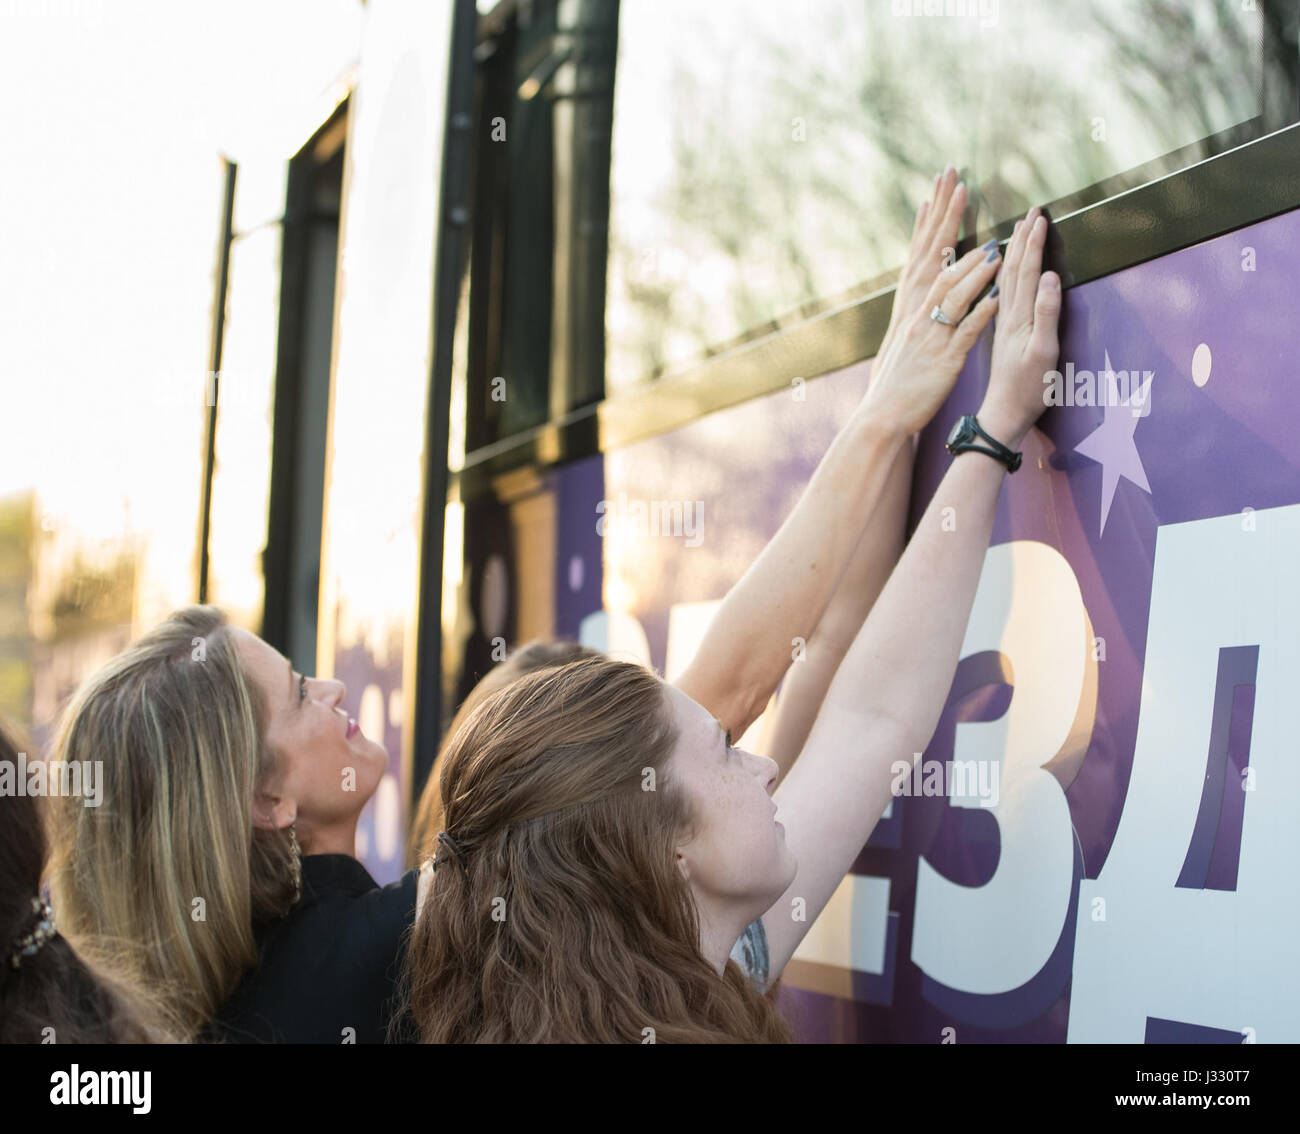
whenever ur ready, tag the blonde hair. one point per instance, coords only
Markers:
(563, 917)
(167, 877)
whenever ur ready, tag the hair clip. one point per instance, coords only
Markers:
(29, 944)
(447, 841)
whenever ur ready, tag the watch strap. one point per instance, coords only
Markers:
(998, 452)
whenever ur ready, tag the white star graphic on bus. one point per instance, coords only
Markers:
(1111, 444)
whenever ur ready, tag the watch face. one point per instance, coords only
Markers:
(960, 431)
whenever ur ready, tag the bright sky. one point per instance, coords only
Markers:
(109, 215)
(110, 200)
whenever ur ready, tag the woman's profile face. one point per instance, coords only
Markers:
(328, 768)
(737, 854)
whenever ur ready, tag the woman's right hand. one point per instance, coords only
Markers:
(916, 373)
(1025, 341)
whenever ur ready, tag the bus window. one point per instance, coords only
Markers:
(766, 161)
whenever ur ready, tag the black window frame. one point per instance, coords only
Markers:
(289, 531)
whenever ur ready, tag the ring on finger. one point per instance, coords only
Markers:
(939, 317)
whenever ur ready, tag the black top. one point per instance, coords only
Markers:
(330, 964)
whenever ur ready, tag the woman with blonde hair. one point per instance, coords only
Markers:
(217, 870)
(605, 843)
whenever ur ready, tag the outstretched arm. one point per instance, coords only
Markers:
(808, 678)
(786, 592)
(886, 698)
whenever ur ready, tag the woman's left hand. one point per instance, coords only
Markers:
(911, 380)
(919, 358)
(934, 241)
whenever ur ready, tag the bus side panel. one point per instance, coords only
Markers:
(1116, 860)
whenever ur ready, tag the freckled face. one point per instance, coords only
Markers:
(322, 751)
(737, 854)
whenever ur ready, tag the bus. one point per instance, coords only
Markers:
(680, 269)
(547, 319)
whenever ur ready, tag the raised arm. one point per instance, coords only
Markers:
(786, 591)
(886, 699)
(811, 673)
(783, 594)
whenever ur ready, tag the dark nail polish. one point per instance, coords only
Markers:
(991, 256)
(991, 244)
(994, 291)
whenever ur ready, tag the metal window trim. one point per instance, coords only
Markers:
(1231, 190)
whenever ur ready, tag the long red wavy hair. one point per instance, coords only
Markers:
(569, 920)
